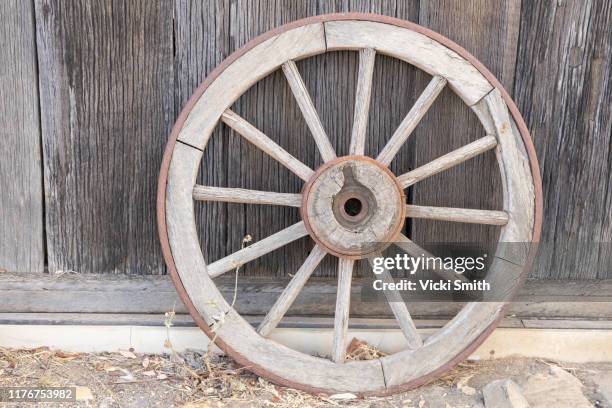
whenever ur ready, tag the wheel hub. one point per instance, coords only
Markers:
(353, 207)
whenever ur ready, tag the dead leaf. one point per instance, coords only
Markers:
(149, 373)
(162, 376)
(62, 355)
(145, 362)
(83, 394)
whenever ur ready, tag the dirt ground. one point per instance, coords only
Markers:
(192, 379)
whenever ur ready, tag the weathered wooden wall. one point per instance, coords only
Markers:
(563, 88)
(106, 91)
(113, 75)
(21, 197)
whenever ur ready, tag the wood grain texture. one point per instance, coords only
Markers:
(244, 72)
(202, 41)
(263, 142)
(326, 150)
(182, 320)
(470, 216)
(563, 88)
(447, 161)
(412, 119)
(106, 82)
(21, 202)
(517, 181)
(155, 295)
(426, 54)
(241, 195)
(343, 306)
(491, 35)
(381, 214)
(363, 97)
(259, 248)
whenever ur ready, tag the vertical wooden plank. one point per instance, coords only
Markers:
(564, 90)
(202, 41)
(21, 201)
(106, 109)
(490, 34)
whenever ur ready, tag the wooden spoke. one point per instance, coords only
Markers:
(362, 101)
(400, 310)
(343, 303)
(255, 136)
(241, 195)
(470, 216)
(448, 160)
(308, 110)
(294, 287)
(257, 249)
(414, 250)
(414, 116)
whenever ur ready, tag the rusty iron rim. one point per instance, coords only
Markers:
(163, 177)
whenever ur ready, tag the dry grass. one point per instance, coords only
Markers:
(192, 378)
(360, 350)
(129, 379)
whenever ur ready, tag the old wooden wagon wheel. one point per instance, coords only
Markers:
(349, 202)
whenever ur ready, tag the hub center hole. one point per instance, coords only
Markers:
(353, 206)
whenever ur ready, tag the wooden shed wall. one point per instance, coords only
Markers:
(108, 78)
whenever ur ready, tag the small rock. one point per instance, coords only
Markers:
(603, 381)
(467, 390)
(343, 397)
(557, 388)
(504, 394)
(464, 388)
